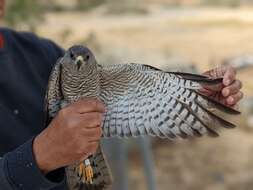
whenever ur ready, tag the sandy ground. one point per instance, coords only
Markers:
(224, 163)
(200, 36)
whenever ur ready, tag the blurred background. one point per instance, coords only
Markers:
(182, 35)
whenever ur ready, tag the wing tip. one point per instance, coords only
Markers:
(220, 106)
(222, 122)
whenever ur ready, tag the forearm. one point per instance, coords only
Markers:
(19, 170)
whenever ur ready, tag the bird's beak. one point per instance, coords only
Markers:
(79, 61)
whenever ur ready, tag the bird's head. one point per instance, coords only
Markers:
(79, 71)
(79, 59)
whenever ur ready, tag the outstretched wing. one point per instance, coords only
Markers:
(142, 100)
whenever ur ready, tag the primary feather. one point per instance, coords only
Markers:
(140, 100)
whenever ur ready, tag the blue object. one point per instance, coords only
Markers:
(25, 62)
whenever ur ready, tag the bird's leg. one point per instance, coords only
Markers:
(85, 171)
(88, 171)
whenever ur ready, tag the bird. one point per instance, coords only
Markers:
(140, 100)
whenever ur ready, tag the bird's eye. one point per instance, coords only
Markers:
(87, 57)
(72, 56)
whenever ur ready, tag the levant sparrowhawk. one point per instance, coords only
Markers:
(139, 99)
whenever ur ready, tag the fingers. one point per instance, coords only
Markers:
(91, 149)
(229, 76)
(88, 105)
(232, 89)
(229, 91)
(233, 99)
(91, 120)
(216, 72)
(94, 134)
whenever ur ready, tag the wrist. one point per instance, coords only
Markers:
(41, 154)
(20, 167)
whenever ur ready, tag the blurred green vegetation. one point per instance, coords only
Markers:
(27, 14)
(227, 3)
(88, 4)
(23, 14)
(126, 7)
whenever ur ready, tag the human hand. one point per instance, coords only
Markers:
(228, 92)
(72, 136)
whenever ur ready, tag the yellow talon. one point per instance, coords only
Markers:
(85, 171)
(80, 169)
(89, 174)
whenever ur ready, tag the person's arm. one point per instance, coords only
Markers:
(71, 137)
(19, 170)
